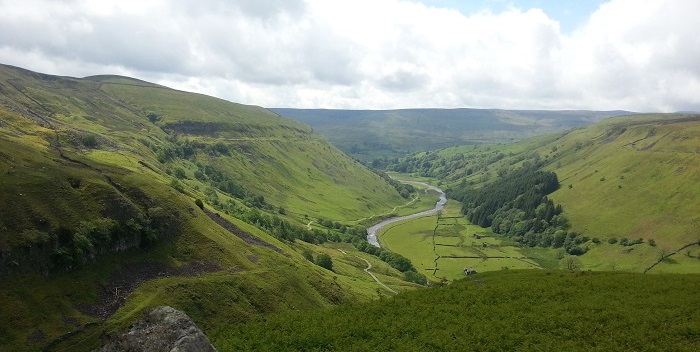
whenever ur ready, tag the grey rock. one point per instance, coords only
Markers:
(162, 329)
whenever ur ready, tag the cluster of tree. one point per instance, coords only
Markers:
(221, 180)
(405, 190)
(71, 248)
(323, 260)
(624, 241)
(286, 231)
(395, 260)
(524, 189)
(171, 149)
(435, 164)
(516, 205)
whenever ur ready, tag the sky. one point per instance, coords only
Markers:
(631, 55)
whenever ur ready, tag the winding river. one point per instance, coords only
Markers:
(372, 231)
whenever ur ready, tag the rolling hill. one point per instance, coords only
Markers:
(376, 134)
(628, 186)
(118, 195)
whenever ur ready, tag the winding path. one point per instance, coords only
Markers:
(372, 231)
(369, 266)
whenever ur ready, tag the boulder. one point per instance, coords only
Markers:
(162, 329)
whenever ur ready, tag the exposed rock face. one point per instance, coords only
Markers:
(162, 329)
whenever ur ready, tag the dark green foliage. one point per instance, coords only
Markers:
(91, 238)
(511, 310)
(153, 117)
(523, 190)
(199, 203)
(412, 276)
(324, 260)
(275, 225)
(222, 181)
(220, 149)
(180, 173)
(89, 140)
(516, 205)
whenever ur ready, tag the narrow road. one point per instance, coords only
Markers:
(372, 231)
(369, 266)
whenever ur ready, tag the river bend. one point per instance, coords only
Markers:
(372, 231)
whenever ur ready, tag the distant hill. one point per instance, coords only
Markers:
(370, 134)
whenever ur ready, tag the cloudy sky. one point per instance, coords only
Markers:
(376, 54)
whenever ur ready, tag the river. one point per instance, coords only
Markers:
(372, 231)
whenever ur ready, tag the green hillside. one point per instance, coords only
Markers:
(117, 195)
(628, 188)
(376, 135)
(513, 310)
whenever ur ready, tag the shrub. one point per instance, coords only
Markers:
(89, 140)
(412, 276)
(576, 250)
(153, 117)
(180, 173)
(324, 260)
(199, 203)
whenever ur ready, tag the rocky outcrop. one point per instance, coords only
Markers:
(162, 329)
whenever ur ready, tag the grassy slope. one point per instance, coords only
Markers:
(277, 157)
(71, 151)
(633, 177)
(515, 310)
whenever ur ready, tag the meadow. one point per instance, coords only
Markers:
(441, 246)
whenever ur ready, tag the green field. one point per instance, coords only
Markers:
(442, 256)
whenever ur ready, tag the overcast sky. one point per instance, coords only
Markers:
(376, 54)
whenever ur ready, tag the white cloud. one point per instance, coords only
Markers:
(631, 55)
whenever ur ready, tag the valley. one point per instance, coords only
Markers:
(120, 195)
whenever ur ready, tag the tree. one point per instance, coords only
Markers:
(324, 260)
(571, 263)
(153, 117)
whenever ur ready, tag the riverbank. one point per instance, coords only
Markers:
(439, 205)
